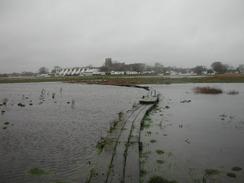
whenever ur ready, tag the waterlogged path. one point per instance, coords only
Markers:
(119, 160)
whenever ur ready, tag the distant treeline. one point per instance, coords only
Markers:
(158, 68)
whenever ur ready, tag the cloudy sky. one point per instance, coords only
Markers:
(35, 33)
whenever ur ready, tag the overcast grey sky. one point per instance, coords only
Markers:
(184, 33)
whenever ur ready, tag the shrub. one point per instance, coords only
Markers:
(207, 90)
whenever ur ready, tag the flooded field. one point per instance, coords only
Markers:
(49, 132)
(194, 138)
(51, 129)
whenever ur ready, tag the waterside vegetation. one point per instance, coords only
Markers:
(207, 90)
(129, 80)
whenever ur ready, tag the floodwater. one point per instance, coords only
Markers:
(195, 138)
(55, 127)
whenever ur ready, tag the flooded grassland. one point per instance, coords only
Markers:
(194, 138)
(49, 131)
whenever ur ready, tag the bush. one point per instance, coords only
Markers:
(207, 90)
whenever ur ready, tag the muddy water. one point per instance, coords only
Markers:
(195, 137)
(57, 128)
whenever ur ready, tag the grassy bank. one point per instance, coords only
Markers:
(129, 80)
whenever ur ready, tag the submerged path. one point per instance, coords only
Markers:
(118, 161)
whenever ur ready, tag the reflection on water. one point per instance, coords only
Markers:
(200, 136)
(55, 127)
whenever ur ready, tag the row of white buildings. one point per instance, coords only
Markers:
(79, 71)
(93, 71)
(90, 71)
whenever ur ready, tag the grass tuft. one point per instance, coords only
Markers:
(236, 168)
(158, 179)
(37, 172)
(102, 143)
(210, 172)
(159, 161)
(153, 141)
(230, 174)
(159, 151)
(233, 92)
(143, 172)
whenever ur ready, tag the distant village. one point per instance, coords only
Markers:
(111, 67)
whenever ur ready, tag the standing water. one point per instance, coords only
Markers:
(49, 131)
(195, 138)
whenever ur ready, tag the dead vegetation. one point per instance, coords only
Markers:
(207, 90)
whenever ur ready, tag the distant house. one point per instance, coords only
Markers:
(131, 73)
(117, 72)
(148, 72)
(56, 70)
(173, 73)
(43, 75)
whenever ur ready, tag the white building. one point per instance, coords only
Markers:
(132, 73)
(117, 72)
(80, 71)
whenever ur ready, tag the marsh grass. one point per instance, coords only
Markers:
(102, 143)
(230, 174)
(158, 179)
(37, 172)
(232, 92)
(160, 152)
(120, 116)
(146, 122)
(210, 172)
(143, 172)
(159, 161)
(207, 90)
(146, 125)
(5, 101)
(112, 126)
(145, 155)
(113, 80)
(153, 141)
(236, 168)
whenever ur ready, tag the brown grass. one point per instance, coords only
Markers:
(207, 90)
